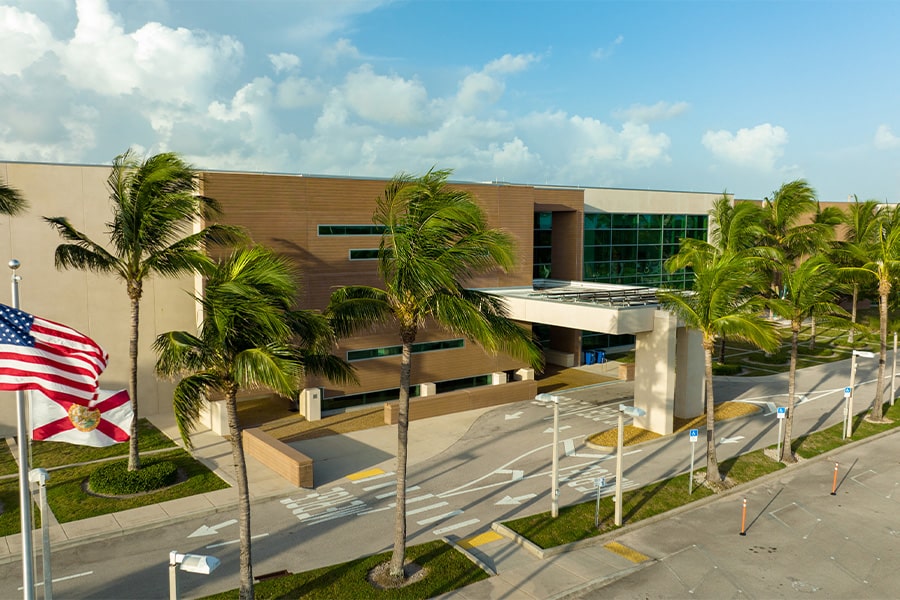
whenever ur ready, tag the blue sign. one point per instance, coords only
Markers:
(847, 391)
(694, 433)
(782, 412)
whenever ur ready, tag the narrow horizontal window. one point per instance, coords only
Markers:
(397, 350)
(351, 229)
(366, 254)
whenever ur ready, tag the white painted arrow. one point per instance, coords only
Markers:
(517, 474)
(515, 415)
(733, 440)
(204, 530)
(516, 500)
(563, 428)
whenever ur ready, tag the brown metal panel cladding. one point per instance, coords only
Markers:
(284, 212)
(567, 206)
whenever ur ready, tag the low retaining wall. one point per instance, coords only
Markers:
(462, 400)
(285, 460)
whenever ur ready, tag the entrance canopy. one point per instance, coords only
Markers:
(598, 307)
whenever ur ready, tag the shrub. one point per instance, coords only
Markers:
(115, 479)
(725, 369)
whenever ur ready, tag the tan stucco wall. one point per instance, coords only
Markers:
(96, 305)
(648, 201)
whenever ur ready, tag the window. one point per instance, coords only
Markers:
(368, 353)
(351, 229)
(367, 254)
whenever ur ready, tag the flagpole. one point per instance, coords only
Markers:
(24, 484)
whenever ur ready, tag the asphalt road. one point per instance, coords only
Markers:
(498, 470)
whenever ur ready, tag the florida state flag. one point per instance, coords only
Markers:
(105, 423)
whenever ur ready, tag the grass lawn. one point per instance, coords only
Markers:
(447, 571)
(70, 465)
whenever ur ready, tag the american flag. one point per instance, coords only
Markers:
(37, 354)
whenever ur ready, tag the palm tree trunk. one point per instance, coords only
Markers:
(884, 290)
(722, 350)
(398, 557)
(240, 475)
(134, 293)
(787, 455)
(812, 333)
(712, 465)
(853, 313)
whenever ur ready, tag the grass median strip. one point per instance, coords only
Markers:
(447, 570)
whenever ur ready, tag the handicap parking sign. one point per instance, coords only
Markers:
(847, 391)
(694, 433)
(782, 412)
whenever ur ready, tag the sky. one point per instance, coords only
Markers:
(736, 96)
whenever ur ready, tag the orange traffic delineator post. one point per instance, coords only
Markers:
(834, 483)
(744, 518)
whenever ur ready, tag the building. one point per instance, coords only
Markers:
(612, 238)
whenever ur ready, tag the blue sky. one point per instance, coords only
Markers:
(675, 95)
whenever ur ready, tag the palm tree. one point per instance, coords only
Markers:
(434, 239)
(861, 222)
(155, 205)
(736, 227)
(12, 203)
(791, 227)
(810, 291)
(724, 300)
(248, 339)
(879, 260)
(823, 243)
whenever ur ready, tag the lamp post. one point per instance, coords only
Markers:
(554, 472)
(40, 476)
(631, 411)
(192, 563)
(848, 417)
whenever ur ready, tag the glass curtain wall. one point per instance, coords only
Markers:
(630, 249)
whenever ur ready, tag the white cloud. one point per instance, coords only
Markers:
(384, 99)
(885, 138)
(758, 147)
(284, 61)
(24, 39)
(661, 111)
(603, 53)
(484, 88)
(509, 63)
(343, 49)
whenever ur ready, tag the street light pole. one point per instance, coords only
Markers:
(848, 424)
(632, 411)
(192, 563)
(554, 491)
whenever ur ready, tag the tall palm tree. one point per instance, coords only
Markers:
(861, 227)
(823, 243)
(879, 260)
(735, 227)
(155, 206)
(435, 238)
(791, 228)
(810, 291)
(12, 202)
(248, 339)
(723, 300)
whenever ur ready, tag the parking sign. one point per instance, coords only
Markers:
(694, 434)
(782, 412)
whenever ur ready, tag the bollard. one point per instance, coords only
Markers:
(744, 518)
(834, 483)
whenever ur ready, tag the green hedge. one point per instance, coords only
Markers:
(115, 479)
(726, 369)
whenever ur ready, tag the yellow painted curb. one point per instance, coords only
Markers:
(480, 539)
(365, 474)
(626, 552)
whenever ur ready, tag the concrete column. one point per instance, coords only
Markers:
(215, 416)
(524, 375)
(498, 378)
(311, 404)
(654, 374)
(690, 377)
